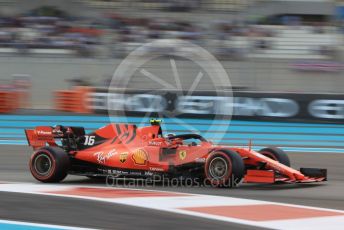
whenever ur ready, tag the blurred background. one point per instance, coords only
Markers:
(282, 46)
(284, 58)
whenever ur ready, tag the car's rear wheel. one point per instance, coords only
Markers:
(224, 168)
(276, 154)
(49, 164)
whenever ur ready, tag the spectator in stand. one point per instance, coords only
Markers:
(52, 32)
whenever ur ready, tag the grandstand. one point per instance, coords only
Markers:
(124, 31)
(258, 50)
(301, 43)
(287, 42)
(173, 5)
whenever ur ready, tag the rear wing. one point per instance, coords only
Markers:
(40, 137)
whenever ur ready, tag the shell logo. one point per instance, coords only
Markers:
(140, 157)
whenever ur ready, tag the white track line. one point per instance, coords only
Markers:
(179, 203)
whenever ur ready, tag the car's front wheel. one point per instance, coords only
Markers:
(276, 154)
(224, 168)
(49, 164)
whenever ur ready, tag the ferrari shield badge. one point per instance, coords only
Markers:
(182, 154)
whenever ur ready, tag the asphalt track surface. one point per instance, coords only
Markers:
(92, 214)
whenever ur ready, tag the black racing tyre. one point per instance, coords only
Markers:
(49, 164)
(224, 168)
(276, 154)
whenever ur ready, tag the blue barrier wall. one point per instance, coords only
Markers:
(290, 136)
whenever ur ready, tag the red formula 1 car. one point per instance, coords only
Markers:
(124, 150)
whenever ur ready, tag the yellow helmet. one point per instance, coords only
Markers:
(155, 121)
